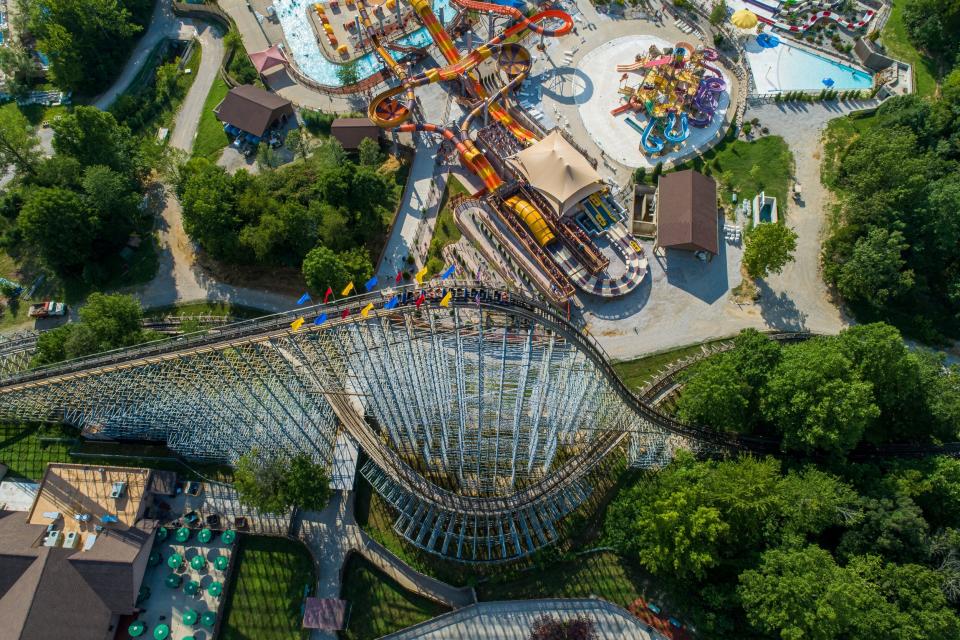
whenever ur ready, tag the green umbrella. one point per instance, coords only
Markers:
(191, 637)
(172, 581)
(215, 589)
(183, 534)
(136, 629)
(162, 533)
(197, 562)
(161, 632)
(175, 561)
(221, 563)
(191, 587)
(205, 535)
(208, 618)
(154, 558)
(190, 617)
(228, 536)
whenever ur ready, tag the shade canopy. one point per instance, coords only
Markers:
(228, 536)
(190, 617)
(557, 170)
(215, 589)
(162, 533)
(744, 19)
(136, 629)
(175, 561)
(198, 562)
(204, 536)
(172, 581)
(208, 619)
(183, 534)
(268, 58)
(191, 587)
(221, 563)
(154, 559)
(162, 632)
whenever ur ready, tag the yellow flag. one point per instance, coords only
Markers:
(296, 324)
(347, 289)
(446, 299)
(420, 274)
(366, 310)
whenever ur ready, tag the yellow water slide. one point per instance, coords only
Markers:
(532, 218)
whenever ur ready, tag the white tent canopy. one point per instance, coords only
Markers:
(556, 169)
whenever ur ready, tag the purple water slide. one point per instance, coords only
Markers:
(772, 10)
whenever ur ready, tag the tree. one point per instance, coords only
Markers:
(718, 13)
(875, 272)
(715, 394)
(357, 263)
(369, 151)
(106, 322)
(322, 268)
(209, 215)
(57, 224)
(816, 400)
(95, 138)
(891, 527)
(299, 143)
(348, 73)
(277, 484)
(549, 628)
(19, 145)
(769, 248)
(113, 201)
(18, 67)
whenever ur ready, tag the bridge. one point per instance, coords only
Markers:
(481, 420)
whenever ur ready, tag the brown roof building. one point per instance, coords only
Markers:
(74, 566)
(253, 110)
(350, 132)
(687, 212)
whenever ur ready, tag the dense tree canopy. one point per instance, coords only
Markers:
(277, 484)
(769, 247)
(19, 145)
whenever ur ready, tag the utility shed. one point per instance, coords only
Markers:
(350, 132)
(687, 212)
(253, 110)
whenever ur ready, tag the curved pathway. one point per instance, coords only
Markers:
(211, 57)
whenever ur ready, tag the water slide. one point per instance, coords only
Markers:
(532, 218)
(523, 22)
(436, 30)
(710, 55)
(706, 100)
(651, 143)
(681, 135)
(822, 15)
(772, 10)
(472, 157)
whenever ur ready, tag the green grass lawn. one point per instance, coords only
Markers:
(378, 605)
(237, 311)
(764, 164)
(266, 590)
(446, 231)
(211, 138)
(635, 373)
(895, 38)
(26, 449)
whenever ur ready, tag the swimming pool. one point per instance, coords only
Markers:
(788, 68)
(306, 53)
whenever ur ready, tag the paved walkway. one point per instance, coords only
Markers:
(512, 621)
(333, 534)
(188, 118)
(163, 24)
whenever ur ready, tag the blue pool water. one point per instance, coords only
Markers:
(765, 213)
(306, 53)
(789, 68)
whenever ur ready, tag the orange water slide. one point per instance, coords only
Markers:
(520, 132)
(436, 30)
(472, 157)
(523, 22)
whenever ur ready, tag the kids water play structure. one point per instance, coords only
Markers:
(551, 221)
(674, 93)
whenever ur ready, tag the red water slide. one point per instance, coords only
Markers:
(523, 22)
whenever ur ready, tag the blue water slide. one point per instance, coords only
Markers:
(679, 136)
(651, 143)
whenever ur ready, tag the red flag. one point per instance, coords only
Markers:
(420, 299)
(399, 276)
(327, 295)
(345, 313)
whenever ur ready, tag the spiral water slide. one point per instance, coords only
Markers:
(522, 21)
(706, 100)
(817, 17)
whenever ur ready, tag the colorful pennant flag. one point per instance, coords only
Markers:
(304, 298)
(392, 302)
(327, 295)
(370, 284)
(399, 277)
(345, 313)
(366, 310)
(420, 274)
(420, 300)
(320, 319)
(347, 289)
(449, 272)
(296, 324)
(445, 302)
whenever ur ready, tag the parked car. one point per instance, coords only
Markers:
(47, 309)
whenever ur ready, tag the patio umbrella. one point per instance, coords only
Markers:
(175, 561)
(208, 619)
(154, 558)
(172, 581)
(221, 563)
(161, 632)
(215, 589)
(183, 534)
(197, 562)
(205, 535)
(191, 587)
(162, 533)
(228, 536)
(190, 617)
(136, 629)
(744, 19)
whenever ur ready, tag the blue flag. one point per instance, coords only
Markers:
(320, 319)
(391, 303)
(304, 298)
(371, 283)
(449, 272)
